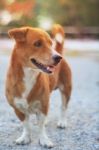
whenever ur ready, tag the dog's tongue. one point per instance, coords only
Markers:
(51, 68)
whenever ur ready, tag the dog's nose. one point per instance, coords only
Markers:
(57, 58)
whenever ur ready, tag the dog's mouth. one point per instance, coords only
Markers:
(44, 68)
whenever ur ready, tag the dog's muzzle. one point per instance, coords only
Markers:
(47, 68)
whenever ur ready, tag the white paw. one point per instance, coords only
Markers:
(45, 142)
(23, 140)
(62, 124)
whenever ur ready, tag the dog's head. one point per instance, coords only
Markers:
(34, 47)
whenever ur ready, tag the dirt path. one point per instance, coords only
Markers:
(82, 132)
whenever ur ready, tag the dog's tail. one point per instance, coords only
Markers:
(57, 33)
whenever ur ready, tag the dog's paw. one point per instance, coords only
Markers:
(23, 140)
(62, 124)
(45, 142)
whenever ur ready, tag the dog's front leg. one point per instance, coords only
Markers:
(44, 140)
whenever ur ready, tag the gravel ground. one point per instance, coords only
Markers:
(82, 132)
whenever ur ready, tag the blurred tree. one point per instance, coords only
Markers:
(2, 4)
(22, 11)
(22, 7)
(66, 12)
(70, 12)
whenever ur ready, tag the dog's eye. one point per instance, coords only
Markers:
(38, 44)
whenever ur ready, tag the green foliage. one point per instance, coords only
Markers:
(71, 12)
(65, 12)
(25, 21)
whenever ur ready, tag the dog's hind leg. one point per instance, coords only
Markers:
(65, 87)
(62, 123)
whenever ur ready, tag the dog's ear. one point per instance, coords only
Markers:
(19, 34)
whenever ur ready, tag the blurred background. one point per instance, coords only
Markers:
(77, 17)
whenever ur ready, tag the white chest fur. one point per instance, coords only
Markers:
(29, 80)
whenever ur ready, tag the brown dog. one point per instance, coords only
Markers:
(35, 70)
